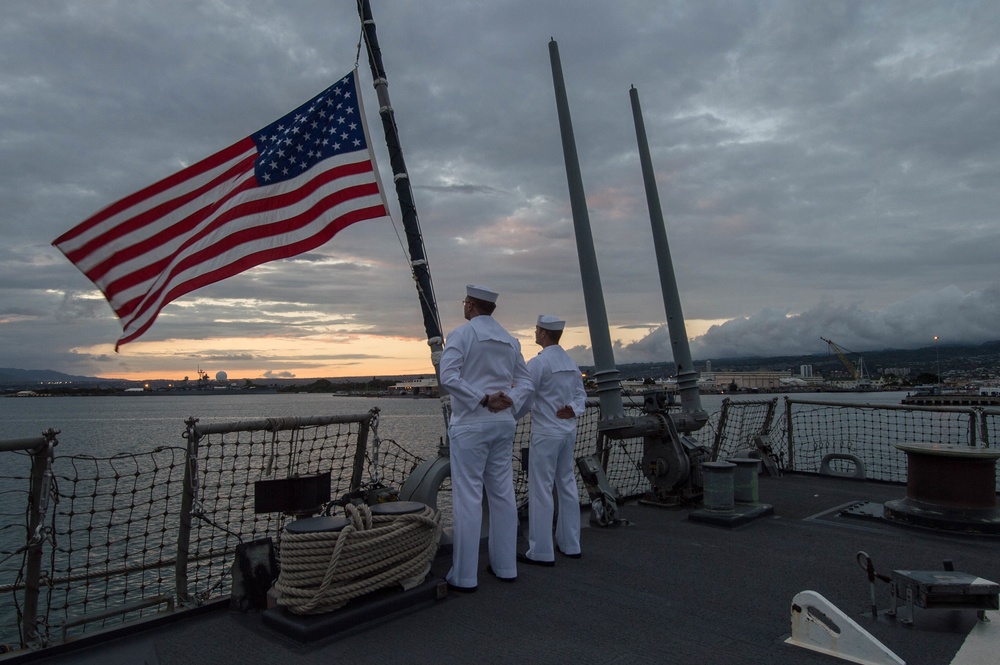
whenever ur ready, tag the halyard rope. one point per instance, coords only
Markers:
(322, 571)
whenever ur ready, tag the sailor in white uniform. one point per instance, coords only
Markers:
(559, 398)
(483, 371)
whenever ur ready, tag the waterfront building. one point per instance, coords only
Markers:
(636, 387)
(749, 380)
(424, 387)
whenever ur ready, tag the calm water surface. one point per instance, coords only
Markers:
(104, 426)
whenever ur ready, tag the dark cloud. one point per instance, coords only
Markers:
(951, 315)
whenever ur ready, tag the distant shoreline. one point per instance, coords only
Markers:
(119, 392)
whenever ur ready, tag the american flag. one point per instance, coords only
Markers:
(283, 191)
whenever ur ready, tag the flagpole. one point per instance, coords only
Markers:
(411, 225)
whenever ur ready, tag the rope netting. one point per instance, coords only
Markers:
(737, 424)
(15, 478)
(113, 535)
(392, 464)
(989, 421)
(813, 429)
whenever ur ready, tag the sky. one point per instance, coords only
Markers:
(824, 169)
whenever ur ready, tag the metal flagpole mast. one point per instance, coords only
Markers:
(411, 225)
(694, 417)
(609, 387)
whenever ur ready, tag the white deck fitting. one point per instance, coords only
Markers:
(818, 625)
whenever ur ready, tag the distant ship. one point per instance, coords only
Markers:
(938, 396)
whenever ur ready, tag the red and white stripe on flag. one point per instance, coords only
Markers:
(285, 190)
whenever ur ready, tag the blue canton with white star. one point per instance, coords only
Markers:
(328, 124)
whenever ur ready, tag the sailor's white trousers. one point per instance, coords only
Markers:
(481, 461)
(551, 465)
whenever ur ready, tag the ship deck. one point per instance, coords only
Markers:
(661, 588)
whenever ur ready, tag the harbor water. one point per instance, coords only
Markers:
(105, 426)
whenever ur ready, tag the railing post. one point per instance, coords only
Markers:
(187, 504)
(984, 429)
(359, 453)
(41, 482)
(720, 429)
(602, 450)
(791, 439)
(769, 418)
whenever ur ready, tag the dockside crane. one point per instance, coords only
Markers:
(857, 372)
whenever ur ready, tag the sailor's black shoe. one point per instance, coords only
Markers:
(461, 589)
(571, 556)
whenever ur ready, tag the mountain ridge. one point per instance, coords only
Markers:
(966, 358)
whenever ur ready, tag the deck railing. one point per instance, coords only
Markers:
(88, 542)
(812, 430)
(107, 540)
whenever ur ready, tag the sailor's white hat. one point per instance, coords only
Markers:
(481, 293)
(549, 322)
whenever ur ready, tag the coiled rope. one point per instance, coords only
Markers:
(322, 571)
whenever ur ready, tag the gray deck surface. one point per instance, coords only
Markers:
(662, 589)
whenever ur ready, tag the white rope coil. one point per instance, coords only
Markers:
(322, 571)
